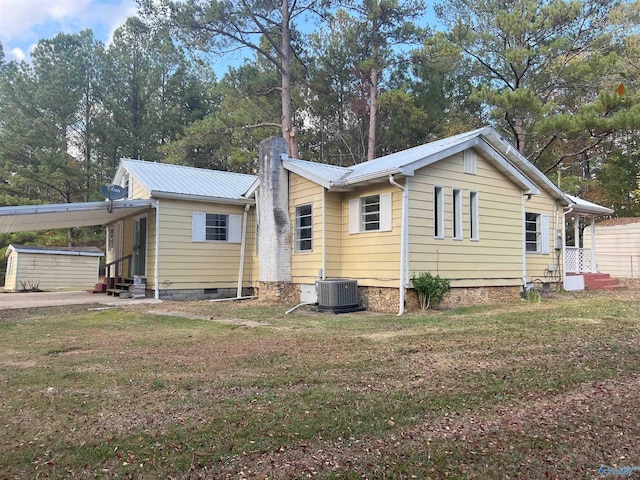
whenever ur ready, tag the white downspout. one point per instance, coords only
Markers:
(524, 243)
(156, 275)
(594, 267)
(403, 235)
(564, 247)
(324, 235)
(243, 247)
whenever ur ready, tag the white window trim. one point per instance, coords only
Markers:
(438, 204)
(456, 214)
(355, 214)
(297, 240)
(474, 216)
(199, 227)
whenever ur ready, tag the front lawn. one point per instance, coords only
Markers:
(222, 390)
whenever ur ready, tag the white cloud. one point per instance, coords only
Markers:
(17, 54)
(29, 20)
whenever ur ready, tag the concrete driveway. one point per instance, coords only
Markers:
(52, 299)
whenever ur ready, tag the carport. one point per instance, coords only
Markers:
(25, 218)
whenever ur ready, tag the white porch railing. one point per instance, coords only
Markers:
(577, 260)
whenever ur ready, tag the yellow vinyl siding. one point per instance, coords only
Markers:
(56, 272)
(305, 265)
(184, 264)
(137, 190)
(151, 248)
(538, 263)
(496, 257)
(373, 258)
(334, 228)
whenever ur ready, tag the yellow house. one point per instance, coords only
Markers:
(192, 241)
(469, 208)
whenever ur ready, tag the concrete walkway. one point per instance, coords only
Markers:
(52, 299)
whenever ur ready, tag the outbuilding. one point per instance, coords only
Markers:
(51, 268)
(618, 246)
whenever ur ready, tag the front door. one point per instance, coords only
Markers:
(139, 259)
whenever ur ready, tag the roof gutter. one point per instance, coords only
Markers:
(403, 238)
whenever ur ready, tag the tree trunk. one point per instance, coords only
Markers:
(373, 113)
(521, 143)
(288, 131)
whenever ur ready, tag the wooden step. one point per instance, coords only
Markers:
(119, 292)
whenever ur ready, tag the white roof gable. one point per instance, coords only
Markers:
(177, 181)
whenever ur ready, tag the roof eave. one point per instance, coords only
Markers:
(323, 182)
(202, 198)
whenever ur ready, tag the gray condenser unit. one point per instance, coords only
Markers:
(338, 295)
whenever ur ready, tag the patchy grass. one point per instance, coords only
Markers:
(232, 390)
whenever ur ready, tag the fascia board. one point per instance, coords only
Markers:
(202, 198)
(306, 174)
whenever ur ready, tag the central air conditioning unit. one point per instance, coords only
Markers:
(338, 295)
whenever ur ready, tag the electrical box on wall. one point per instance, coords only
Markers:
(558, 239)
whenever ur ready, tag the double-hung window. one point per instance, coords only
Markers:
(216, 227)
(304, 229)
(370, 214)
(536, 233)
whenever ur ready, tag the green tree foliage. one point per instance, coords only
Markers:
(246, 100)
(220, 27)
(539, 60)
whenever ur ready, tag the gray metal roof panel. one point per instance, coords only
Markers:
(395, 161)
(330, 173)
(181, 180)
(81, 251)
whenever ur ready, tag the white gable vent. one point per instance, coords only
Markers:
(338, 295)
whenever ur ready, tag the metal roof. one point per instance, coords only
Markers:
(78, 251)
(406, 162)
(583, 206)
(168, 180)
(66, 215)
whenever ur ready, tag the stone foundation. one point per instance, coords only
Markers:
(200, 293)
(384, 299)
(279, 292)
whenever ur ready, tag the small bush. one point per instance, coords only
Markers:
(431, 290)
(30, 285)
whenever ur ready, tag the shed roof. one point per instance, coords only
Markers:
(47, 250)
(620, 221)
(177, 181)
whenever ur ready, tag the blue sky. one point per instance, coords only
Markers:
(24, 22)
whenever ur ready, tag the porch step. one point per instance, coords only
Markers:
(119, 292)
(600, 281)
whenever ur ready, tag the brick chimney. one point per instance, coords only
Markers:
(274, 235)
